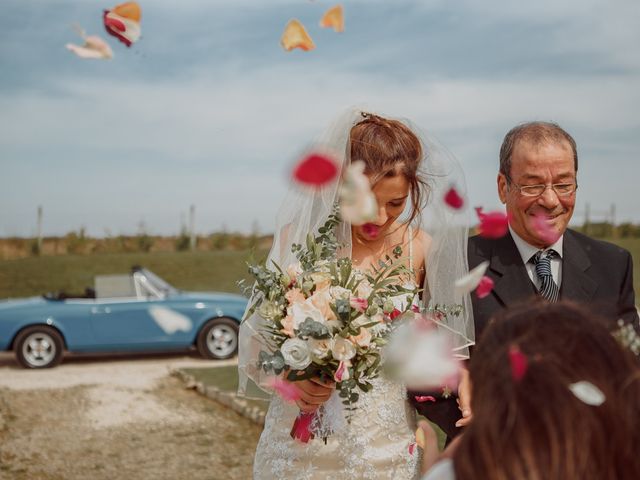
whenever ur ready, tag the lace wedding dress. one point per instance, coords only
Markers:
(374, 445)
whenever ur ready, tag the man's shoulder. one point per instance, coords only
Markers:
(596, 247)
(482, 246)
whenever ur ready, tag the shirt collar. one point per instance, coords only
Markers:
(527, 250)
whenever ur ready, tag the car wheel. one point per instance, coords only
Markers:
(218, 339)
(38, 347)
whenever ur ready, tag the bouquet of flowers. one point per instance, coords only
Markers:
(324, 318)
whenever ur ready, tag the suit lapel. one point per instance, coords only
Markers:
(512, 283)
(576, 284)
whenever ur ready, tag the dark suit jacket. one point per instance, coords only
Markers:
(594, 272)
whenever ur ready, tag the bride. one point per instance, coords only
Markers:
(409, 176)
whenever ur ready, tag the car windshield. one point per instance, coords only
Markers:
(158, 283)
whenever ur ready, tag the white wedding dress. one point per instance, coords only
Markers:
(374, 445)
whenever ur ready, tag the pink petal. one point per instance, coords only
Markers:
(315, 170)
(453, 199)
(492, 224)
(544, 230)
(412, 448)
(415, 308)
(286, 390)
(424, 398)
(484, 287)
(371, 230)
(340, 372)
(519, 363)
(360, 304)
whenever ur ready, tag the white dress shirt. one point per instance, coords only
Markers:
(527, 251)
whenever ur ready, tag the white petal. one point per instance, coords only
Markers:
(471, 280)
(587, 393)
(169, 320)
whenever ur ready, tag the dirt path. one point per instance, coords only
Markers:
(122, 418)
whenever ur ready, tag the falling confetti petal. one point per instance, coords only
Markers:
(358, 204)
(412, 448)
(519, 363)
(424, 398)
(484, 287)
(333, 18)
(94, 46)
(284, 389)
(295, 36)
(315, 170)
(453, 199)
(544, 229)
(492, 224)
(422, 359)
(471, 280)
(588, 393)
(371, 230)
(123, 22)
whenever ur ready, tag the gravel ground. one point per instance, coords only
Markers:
(105, 418)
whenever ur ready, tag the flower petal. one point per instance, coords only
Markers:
(544, 229)
(333, 18)
(370, 229)
(424, 398)
(519, 363)
(492, 224)
(470, 281)
(484, 287)
(412, 448)
(358, 204)
(453, 199)
(296, 36)
(286, 390)
(315, 170)
(588, 393)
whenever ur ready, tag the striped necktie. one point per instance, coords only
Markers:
(542, 261)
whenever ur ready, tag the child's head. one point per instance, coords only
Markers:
(534, 427)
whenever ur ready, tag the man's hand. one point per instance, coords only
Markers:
(464, 398)
(313, 393)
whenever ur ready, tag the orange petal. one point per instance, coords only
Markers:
(333, 18)
(295, 36)
(130, 10)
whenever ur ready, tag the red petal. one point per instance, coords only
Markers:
(315, 170)
(371, 230)
(519, 363)
(453, 199)
(424, 398)
(395, 314)
(484, 287)
(492, 224)
(412, 447)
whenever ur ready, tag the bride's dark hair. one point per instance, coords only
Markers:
(535, 428)
(389, 148)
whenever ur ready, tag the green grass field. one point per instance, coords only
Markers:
(198, 271)
(206, 271)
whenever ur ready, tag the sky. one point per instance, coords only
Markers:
(208, 110)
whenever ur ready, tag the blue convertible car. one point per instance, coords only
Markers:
(123, 313)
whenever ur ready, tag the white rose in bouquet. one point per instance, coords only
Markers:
(301, 311)
(320, 348)
(296, 353)
(343, 349)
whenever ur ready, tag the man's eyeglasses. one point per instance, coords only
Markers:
(561, 189)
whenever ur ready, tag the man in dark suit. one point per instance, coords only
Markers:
(540, 256)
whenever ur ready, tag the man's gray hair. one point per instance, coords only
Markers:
(536, 134)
